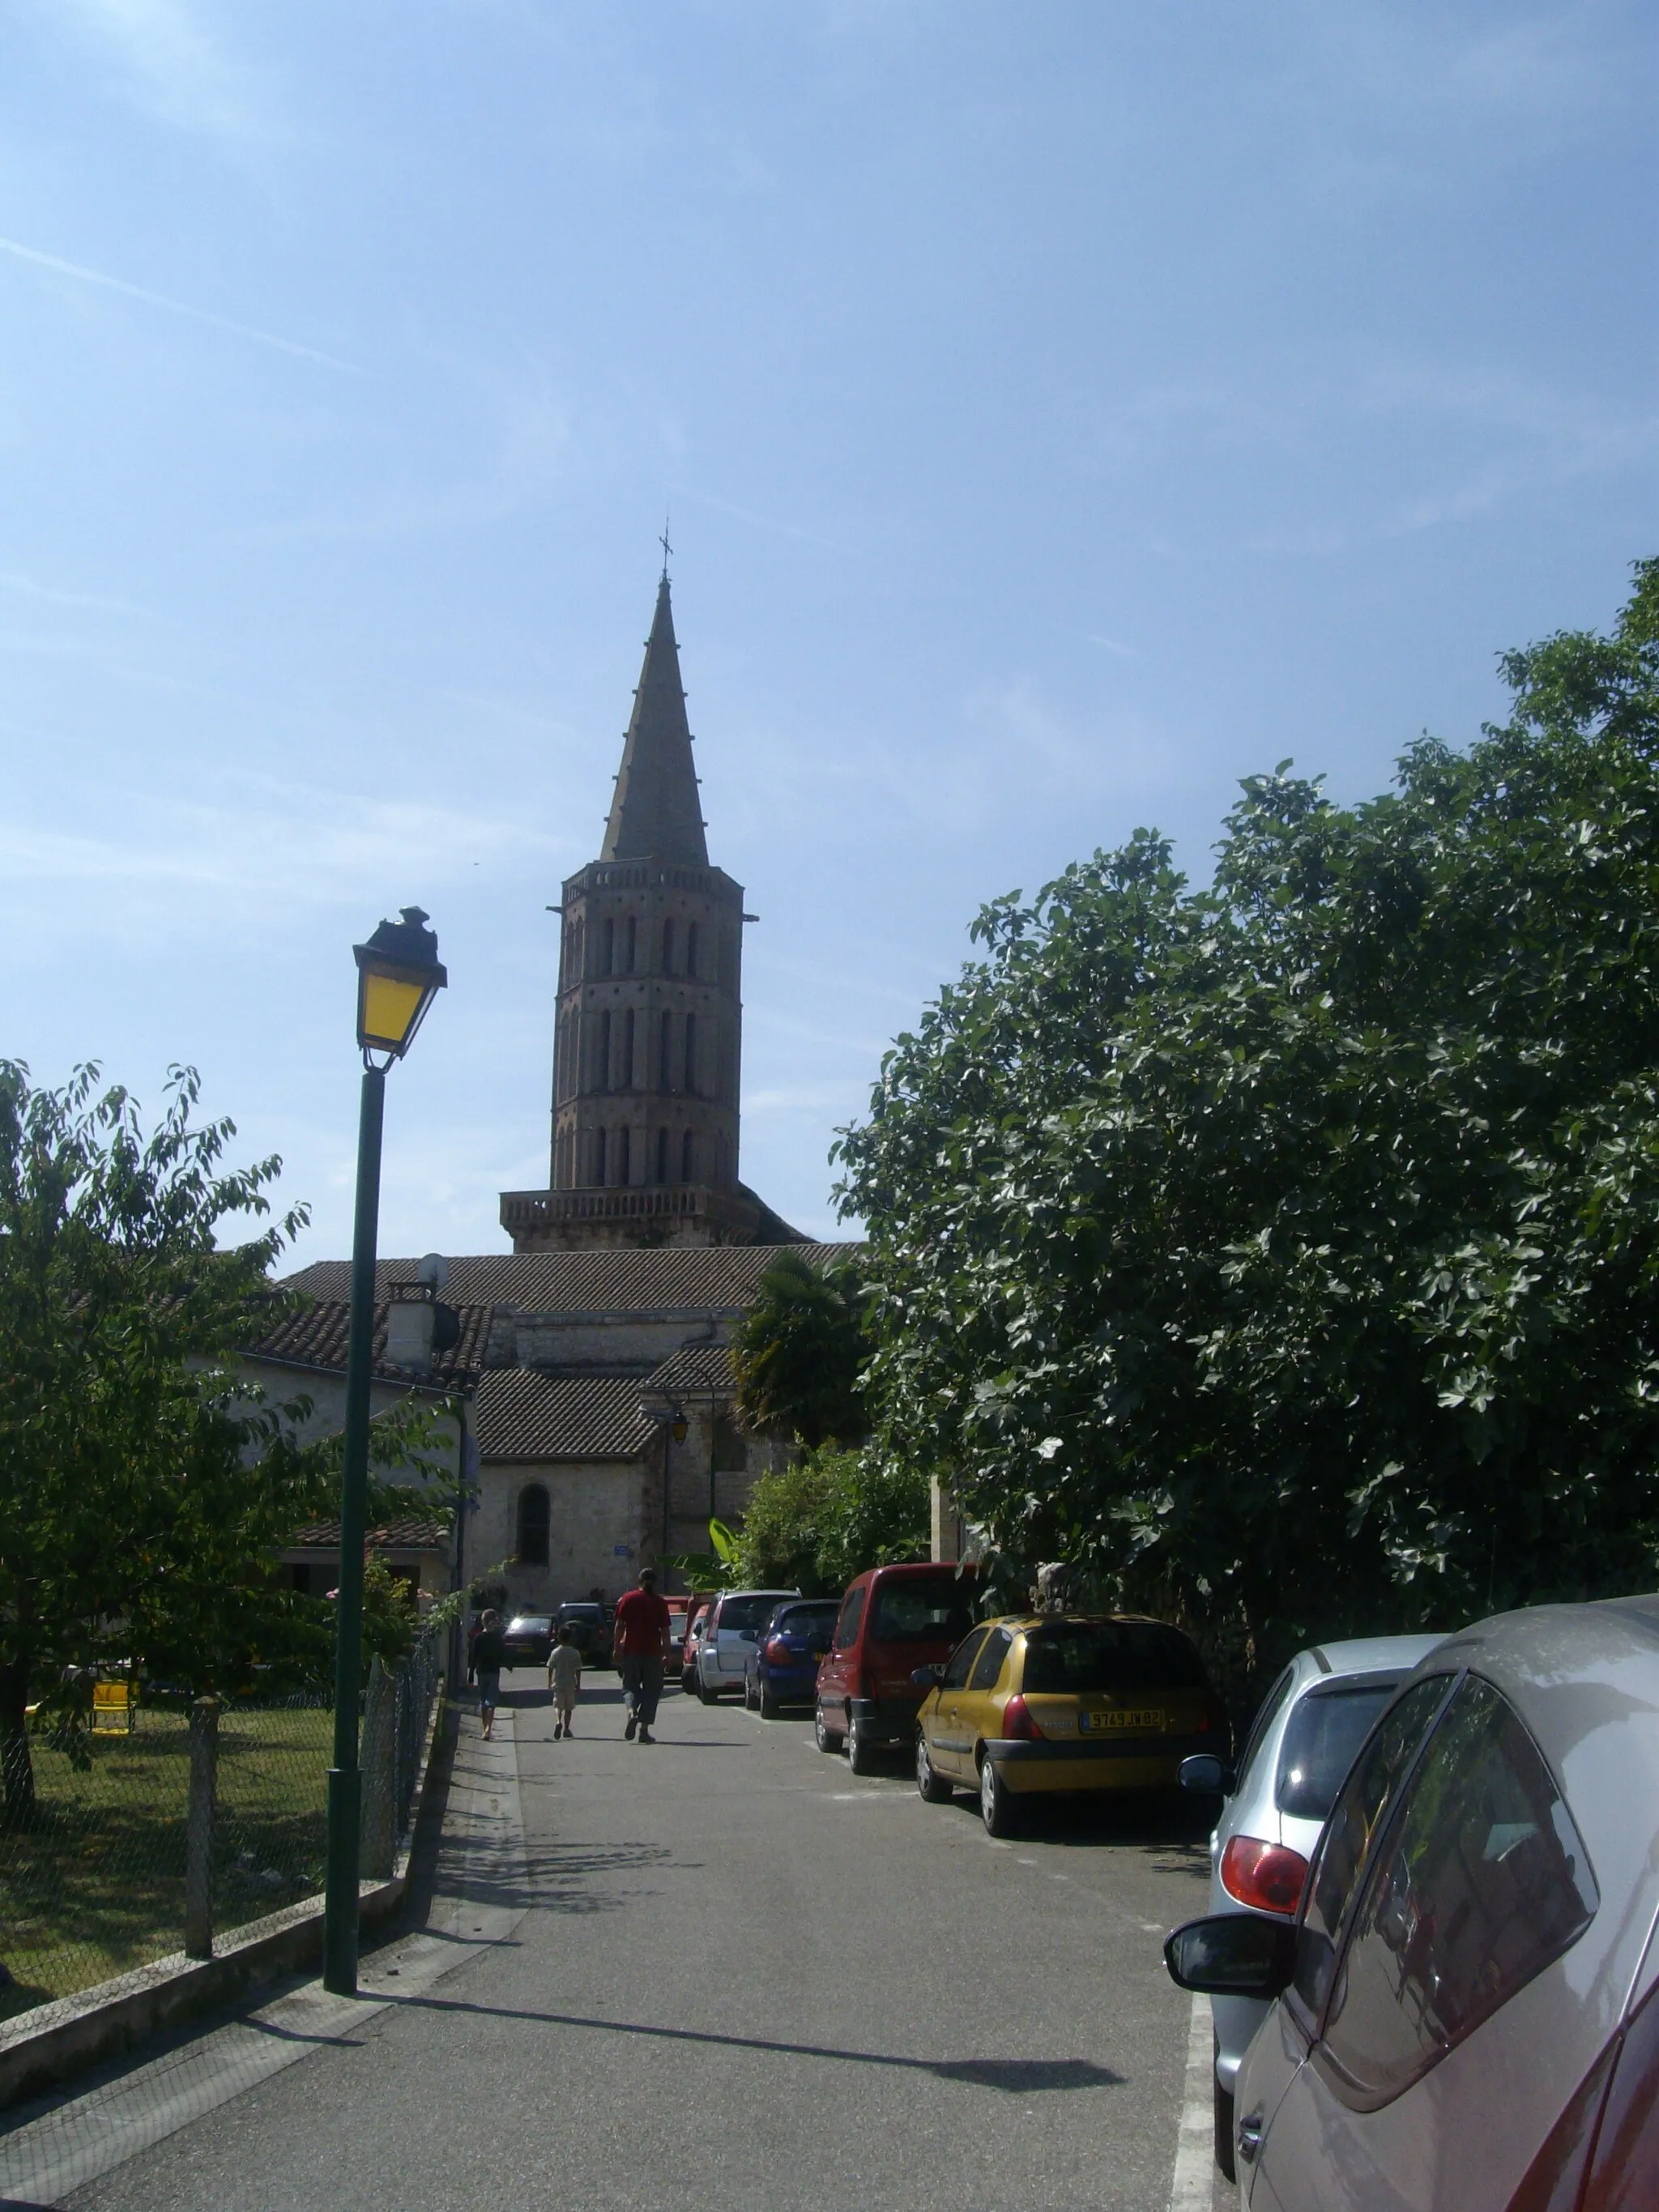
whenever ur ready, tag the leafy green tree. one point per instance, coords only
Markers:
(145, 1492)
(1288, 1250)
(798, 1353)
(815, 1524)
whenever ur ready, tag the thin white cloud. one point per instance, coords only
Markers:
(162, 57)
(27, 587)
(171, 306)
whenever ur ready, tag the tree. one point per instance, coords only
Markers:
(797, 1355)
(1289, 1249)
(146, 1493)
(815, 1524)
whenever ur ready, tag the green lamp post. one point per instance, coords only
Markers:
(398, 975)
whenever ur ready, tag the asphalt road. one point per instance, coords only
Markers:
(737, 1977)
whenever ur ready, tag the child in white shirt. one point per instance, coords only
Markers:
(564, 1679)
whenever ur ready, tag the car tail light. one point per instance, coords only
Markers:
(778, 1651)
(1018, 1724)
(1268, 1877)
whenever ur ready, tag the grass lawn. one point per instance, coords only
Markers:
(98, 1886)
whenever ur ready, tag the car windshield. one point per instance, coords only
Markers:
(1076, 1657)
(740, 1612)
(1321, 1742)
(923, 1610)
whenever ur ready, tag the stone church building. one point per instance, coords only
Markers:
(591, 1363)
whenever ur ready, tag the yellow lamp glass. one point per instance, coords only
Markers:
(387, 1010)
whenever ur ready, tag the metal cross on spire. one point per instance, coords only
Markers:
(666, 548)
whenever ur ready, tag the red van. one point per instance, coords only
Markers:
(892, 1620)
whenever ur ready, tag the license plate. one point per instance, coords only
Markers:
(1139, 1723)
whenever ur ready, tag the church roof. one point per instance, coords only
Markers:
(656, 813)
(521, 1414)
(698, 1369)
(317, 1338)
(674, 1279)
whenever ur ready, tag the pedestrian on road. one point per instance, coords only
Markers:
(640, 1645)
(564, 1679)
(488, 1657)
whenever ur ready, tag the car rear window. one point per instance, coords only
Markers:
(740, 1612)
(1321, 1742)
(920, 1611)
(802, 1620)
(1075, 1657)
(528, 1624)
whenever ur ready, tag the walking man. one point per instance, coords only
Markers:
(640, 1642)
(488, 1657)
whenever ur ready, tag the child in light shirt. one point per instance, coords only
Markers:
(564, 1679)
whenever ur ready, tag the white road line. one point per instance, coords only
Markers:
(1192, 2185)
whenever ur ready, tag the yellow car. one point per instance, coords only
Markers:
(1055, 1702)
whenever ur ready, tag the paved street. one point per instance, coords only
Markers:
(734, 1976)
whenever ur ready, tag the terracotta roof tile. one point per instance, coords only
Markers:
(697, 1370)
(406, 1535)
(521, 1414)
(317, 1338)
(720, 1278)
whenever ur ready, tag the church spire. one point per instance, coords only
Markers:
(656, 814)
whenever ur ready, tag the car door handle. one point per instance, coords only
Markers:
(1250, 2135)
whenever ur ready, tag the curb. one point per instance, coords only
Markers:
(52, 2043)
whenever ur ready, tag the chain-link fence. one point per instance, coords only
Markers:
(170, 1823)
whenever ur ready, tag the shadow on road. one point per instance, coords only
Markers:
(1018, 2076)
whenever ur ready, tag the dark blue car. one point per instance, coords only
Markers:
(783, 1667)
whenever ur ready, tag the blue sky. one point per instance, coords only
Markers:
(1064, 411)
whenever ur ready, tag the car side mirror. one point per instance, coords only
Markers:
(927, 1678)
(1206, 1775)
(1233, 1955)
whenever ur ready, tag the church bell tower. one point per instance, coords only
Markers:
(648, 1037)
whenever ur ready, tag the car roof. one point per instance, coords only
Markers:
(757, 1593)
(1024, 1621)
(1368, 1655)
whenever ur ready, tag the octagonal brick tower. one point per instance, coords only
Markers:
(647, 1047)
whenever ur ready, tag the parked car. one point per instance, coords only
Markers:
(697, 1619)
(782, 1667)
(892, 1620)
(1466, 2008)
(1296, 1758)
(1033, 1706)
(527, 1639)
(730, 1628)
(589, 1624)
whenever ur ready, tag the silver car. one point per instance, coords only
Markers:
(730, 1630)
(1300, 1747)
(1467, 2002)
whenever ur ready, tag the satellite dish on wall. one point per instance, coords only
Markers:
(434, 1271)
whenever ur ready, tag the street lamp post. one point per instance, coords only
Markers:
(398, 975)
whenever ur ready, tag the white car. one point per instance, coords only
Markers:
(1466, 2013)
(731, 1629)
(1297, 1754)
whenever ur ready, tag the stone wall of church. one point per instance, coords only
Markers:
(595, 1526)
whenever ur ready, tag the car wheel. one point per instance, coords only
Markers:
(860, 1752)
(934, 1788)
(996, 1807)
(769, 1707)
(688, 1680)
(1224, 2157)
(823, 1736)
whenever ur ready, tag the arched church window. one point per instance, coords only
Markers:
(632, 939)
(690, 948)
(535, 1521)
(604, 1050)
(627, 1050)
(665, 1055)
(599, 1157)
(610, 948)
(623, 1148)
(688, 1156)
(662, 1156)
(691, 1053)
(668, 948)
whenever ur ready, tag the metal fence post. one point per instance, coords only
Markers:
(198, 1827)
(380, 1827)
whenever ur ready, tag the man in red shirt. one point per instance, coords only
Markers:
(640, 1644)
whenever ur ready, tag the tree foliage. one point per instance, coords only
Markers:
(797, 1355)
(813, 1525)
(1290, 1247)
(145, 1491)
